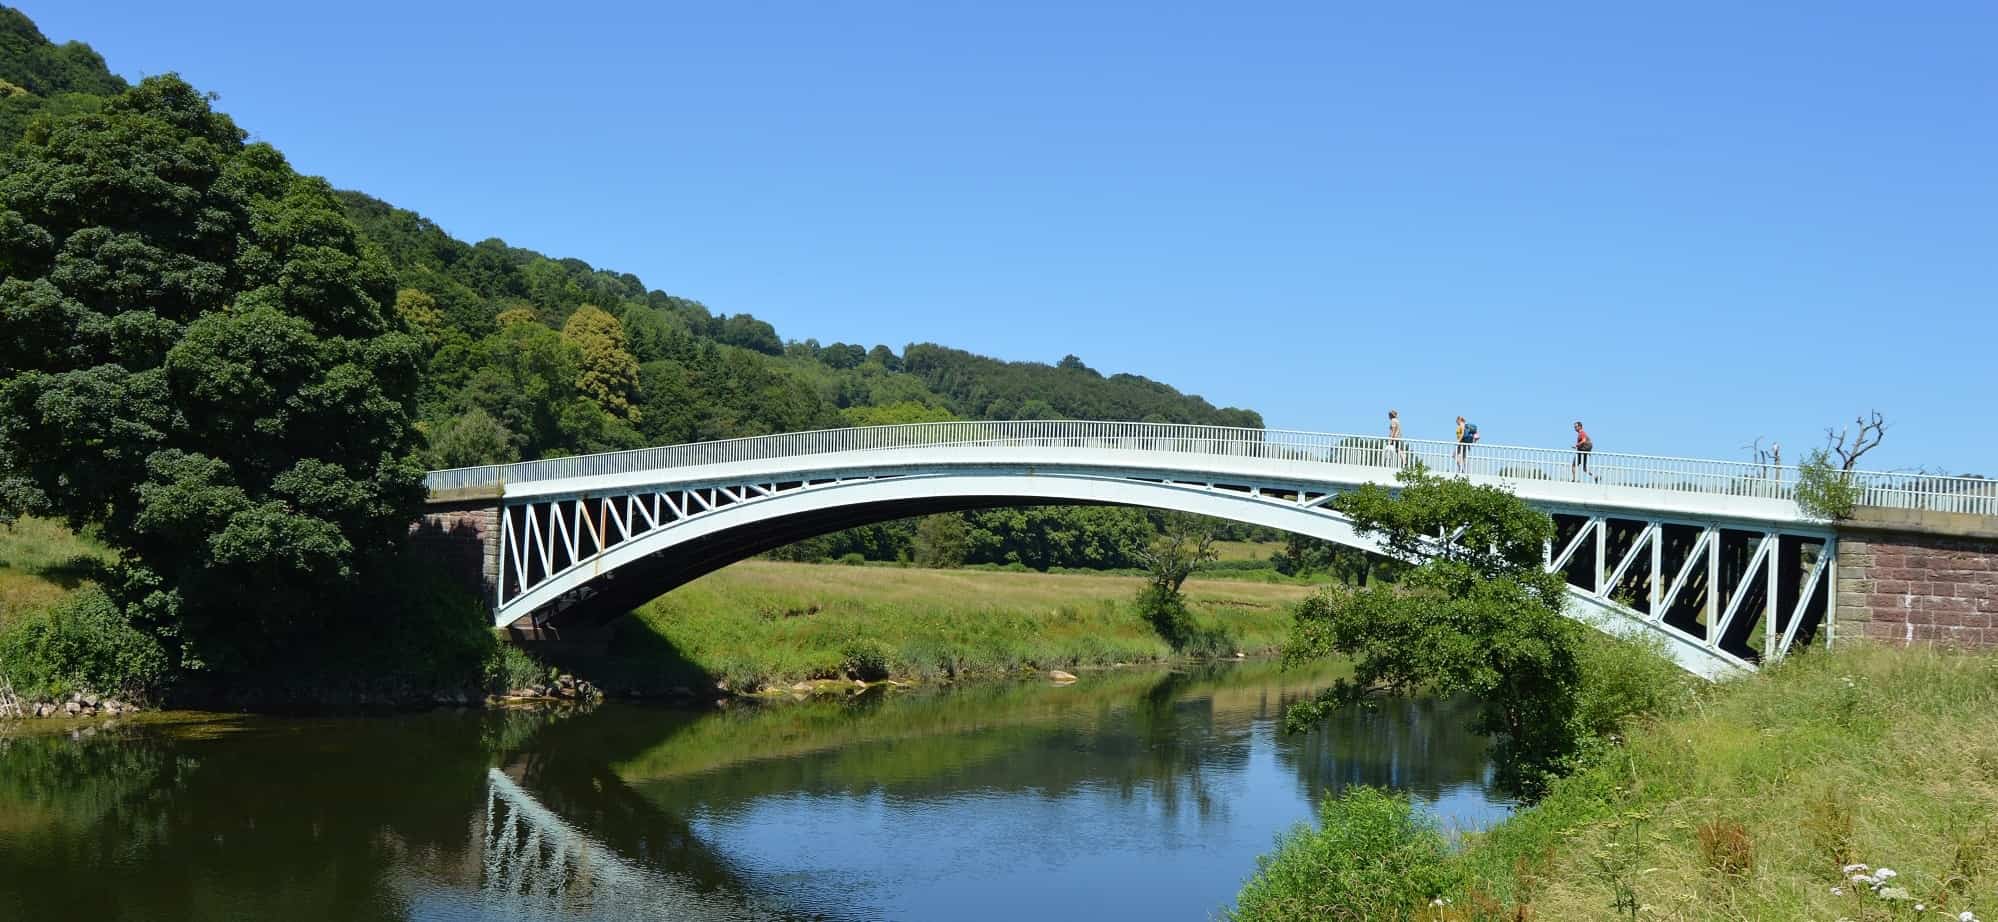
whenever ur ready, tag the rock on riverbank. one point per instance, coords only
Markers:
(77, 707)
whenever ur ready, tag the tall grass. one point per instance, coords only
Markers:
(1753, 798)
(763, 622)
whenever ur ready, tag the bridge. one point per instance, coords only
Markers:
(1715, 557)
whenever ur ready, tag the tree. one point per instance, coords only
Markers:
(842, 355)
(942, 541)
(1181, 546)
(470, 439)
(199, 355)
(419, 312)
(1871, 431)
(606, 371)
(1826, 487)
(1476, 614)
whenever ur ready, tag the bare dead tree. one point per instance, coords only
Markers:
(1766, 458)
(1871, 430)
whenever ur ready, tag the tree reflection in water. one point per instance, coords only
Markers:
(633, 810)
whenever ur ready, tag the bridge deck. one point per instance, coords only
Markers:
(1664, 484)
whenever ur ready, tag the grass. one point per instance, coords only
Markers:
(1748, 802)
(1245, 550)
(41, 563)
(768, 622)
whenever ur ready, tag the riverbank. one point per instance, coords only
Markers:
(1859, 784)
(762, 623)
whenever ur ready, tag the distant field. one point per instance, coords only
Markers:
(1245, 550)
(41, 561)
(764, 621)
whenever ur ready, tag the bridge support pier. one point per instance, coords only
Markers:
(463, 539)
(1907, 577)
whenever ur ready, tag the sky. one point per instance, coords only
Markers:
(1689, 228)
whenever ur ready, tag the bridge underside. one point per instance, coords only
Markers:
(1722, 595)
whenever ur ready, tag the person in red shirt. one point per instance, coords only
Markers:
(1583, 446)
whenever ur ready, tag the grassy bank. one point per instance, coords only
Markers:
(41, 563)
(1748, 801)
(767, 622)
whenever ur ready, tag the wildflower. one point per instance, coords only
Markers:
(1855, 869)
(1921, 908)
(1837, 892)
(1885, 874)
(1966, 916)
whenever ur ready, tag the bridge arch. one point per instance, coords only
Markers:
(571, 555)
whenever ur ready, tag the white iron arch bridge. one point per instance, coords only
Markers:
(1713, 556)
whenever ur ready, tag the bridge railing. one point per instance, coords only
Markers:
(1657, 472)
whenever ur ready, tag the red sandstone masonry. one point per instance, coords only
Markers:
(464, 541)
(1904, 586)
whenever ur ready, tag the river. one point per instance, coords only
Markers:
(1133, 793)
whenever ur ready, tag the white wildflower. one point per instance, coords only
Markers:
(1855, 869)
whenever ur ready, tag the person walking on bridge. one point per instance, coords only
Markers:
(1583, 445)
(1394, 438)
(1466, 434)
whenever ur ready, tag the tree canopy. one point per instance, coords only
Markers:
(202, 357)
(1474, 612)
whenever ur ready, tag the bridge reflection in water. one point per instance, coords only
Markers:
(1134, 793)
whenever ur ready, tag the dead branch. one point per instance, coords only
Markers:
(1868, 438)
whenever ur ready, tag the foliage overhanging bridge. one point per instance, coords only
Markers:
(1713, 556)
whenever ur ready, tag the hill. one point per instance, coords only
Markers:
(534, 356)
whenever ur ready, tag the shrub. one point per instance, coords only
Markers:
(852, 560)
(85, 643)
(508, 667)
(866, 658)
(1373, 856)
(1823, 490)
(1623, 678)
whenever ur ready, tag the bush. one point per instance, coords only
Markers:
(1824, 491)
(1371, 857)
(83, 644)
(866, 658)
(508, 667)
(854, 559)
(1623, 678)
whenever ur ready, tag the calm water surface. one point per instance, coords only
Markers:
(1131, 794)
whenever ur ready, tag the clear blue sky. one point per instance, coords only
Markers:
(1686, 229)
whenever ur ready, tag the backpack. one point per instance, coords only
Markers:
(1471, 432)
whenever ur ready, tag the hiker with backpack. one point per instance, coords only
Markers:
(1466, 434)
(1583, 445)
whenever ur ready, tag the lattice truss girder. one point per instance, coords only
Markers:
(1749, 594)
(1745, 594)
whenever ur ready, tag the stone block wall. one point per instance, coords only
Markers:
(464, 541)
(1904, 587)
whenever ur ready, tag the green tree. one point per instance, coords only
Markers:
(1476, 615)
(1181, 546)
(606, 371)
(942, 541)
(470, 439)
(202, 357)
(419, 313)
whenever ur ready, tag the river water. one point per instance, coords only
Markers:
(1142, 794)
